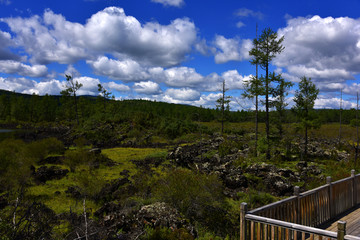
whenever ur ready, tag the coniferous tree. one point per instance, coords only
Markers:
(105, 94)
(357, 129)
(267, 46)
(223, 105)
(304, 102)
(340, 116)
(253, 89)
(279, 102)
(71, 87)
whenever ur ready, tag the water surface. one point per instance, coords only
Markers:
(6, 130)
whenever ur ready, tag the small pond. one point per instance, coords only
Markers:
(6, 130)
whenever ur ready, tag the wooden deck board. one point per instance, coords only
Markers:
(352, 223)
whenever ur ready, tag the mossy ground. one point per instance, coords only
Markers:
(52, 193)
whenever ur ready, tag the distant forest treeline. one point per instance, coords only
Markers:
(16, 107)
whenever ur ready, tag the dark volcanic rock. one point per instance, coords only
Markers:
(45, 173)
(133, 222)
(162, 215)
(278, 186)
(276, 180)
(235, 180)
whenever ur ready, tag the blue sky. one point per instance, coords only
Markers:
(177, 51)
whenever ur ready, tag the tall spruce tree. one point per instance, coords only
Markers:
(223, 106)
(253, 89)
(104, 94)
(304, 102)
(279, 102)
(265, 49)
(71, 87)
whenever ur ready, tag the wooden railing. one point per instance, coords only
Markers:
(298, 216)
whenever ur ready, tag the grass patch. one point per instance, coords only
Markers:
(123, 157)
(53, 195)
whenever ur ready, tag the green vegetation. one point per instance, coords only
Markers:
(117, 159)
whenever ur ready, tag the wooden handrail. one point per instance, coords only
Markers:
(303, 212)
(272, 205)
(291, 226)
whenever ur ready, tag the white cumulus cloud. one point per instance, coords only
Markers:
(14, 67)
(126, 70)
(111, 30)
(148, 88)
(28, 86)
(174, 3)
(183, 94)
(51, 38)
(117, 87)
(323, 102)
(325, 49)
(231, 49)
(180, 77)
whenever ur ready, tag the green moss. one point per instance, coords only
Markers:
(52, 193)
(123, 157)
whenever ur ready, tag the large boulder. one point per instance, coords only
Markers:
(160, 214)
(276, 180)
(235, 180)
(277, 185)
(133, 223)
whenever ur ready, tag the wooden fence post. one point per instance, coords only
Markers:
(328, 182)
(354, 194)
(341, 232)
(243, 211)
(297, 207)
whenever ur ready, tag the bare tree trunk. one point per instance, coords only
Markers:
(306, 143)
(14, 214)
(85, 218)
(256, 125)
(357, 128)
(340, 117)
(256, 103)
(223, 108)
(267, 113)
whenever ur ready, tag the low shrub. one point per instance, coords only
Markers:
(90, 184)
(74, 158)
(198, 196)
(256, 199)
